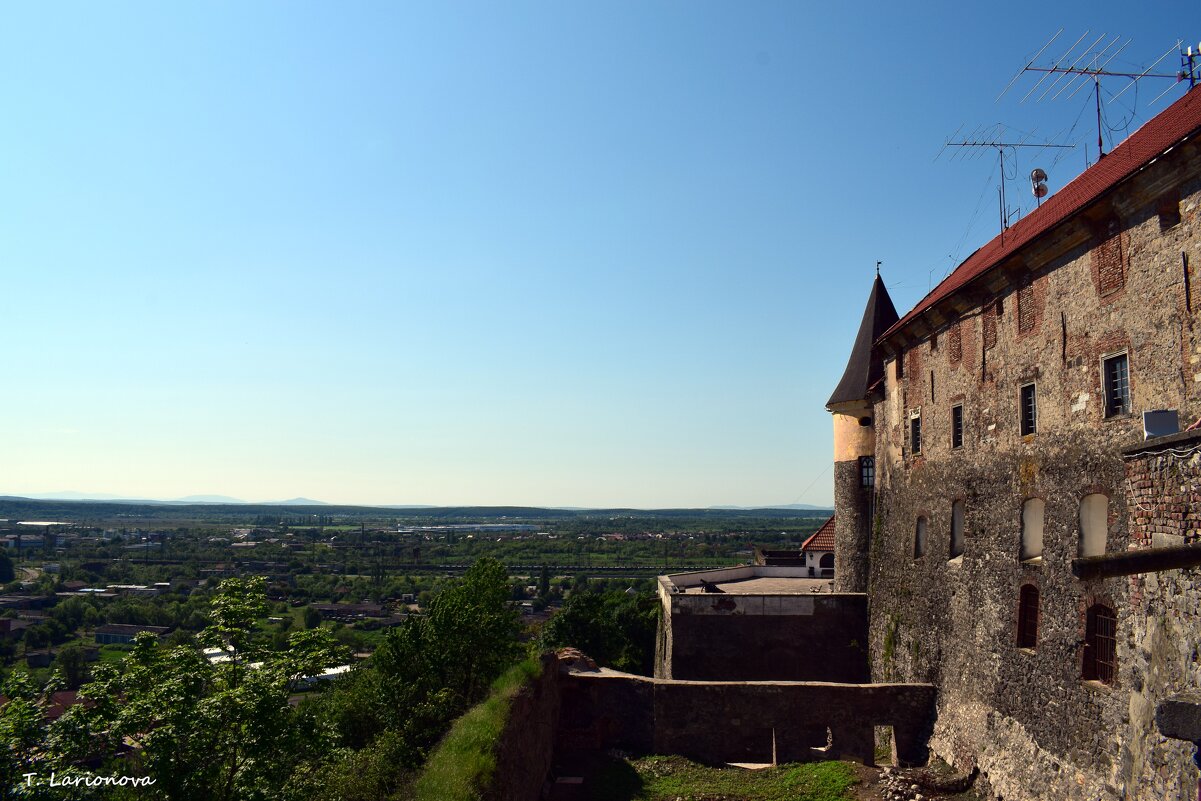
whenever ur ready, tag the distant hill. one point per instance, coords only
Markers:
(294, 502)
(209, 499)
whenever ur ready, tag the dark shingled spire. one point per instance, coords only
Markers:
(865, 367)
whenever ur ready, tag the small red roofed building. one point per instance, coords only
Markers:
(818, 551)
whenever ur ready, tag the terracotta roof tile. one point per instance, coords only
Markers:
(1166, 129)
(822, 539)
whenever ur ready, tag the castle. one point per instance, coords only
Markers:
(1025, 545)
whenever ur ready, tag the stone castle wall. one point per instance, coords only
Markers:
(1083, 292)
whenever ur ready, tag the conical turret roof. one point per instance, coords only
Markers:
(865, 367)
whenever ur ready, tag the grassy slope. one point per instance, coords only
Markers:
(466, 758)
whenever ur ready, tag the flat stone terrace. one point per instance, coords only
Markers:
(747, 580)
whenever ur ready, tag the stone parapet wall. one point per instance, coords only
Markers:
(744, 721)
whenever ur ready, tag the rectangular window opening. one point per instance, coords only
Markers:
(915, 434)
(1115, 374)
(1029, 410)
(957, 426)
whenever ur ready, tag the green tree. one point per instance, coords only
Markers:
(72, 665)
(544, 582)
(202, 730)
(6, 568)
(614, 628)
(312, 618)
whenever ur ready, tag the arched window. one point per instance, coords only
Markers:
(1094, 524)
(919, 538)
(956, 529)
(1028, 617)
(1032, 528)
(1100, 644)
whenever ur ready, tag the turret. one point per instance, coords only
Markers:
(855, 444)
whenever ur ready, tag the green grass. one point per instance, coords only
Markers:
(465, 760)
(668, 778)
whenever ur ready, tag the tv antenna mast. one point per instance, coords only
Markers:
(1088, 65)
(995, 138)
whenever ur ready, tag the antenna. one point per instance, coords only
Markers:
(998, 142)
(1089, 65)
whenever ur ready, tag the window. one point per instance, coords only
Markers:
(1033, 511)
(867, 471)
(956, 529)
(1094, 524)
(915, 433)
(900, 364)
(1115, 375)
(919, 538)
(1028, 617)
(1100, 644)
(1029, 410)
(957, 426)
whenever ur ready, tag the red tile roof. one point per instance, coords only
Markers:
(822, 539)
(1175, 123)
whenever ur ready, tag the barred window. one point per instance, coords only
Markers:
(1028, 617)
(1115, 372)
(915, 434)
(1100, 644)
(957, 426)
(1029, 410)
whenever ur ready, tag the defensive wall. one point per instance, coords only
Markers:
(720, 722)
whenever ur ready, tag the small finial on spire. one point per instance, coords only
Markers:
(878, 263)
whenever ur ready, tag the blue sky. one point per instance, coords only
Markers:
(478, 253)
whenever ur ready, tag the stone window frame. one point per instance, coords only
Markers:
(1106, 388)
(957, 426)
(1029, 600)
(915, 432)
(1028, 427)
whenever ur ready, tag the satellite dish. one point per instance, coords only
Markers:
(1038, 182)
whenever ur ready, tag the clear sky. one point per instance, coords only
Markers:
(607, 254)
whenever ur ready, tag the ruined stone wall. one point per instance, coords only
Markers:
(741, 721)
(739, 637)
(1025, 715)
(525, 749)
